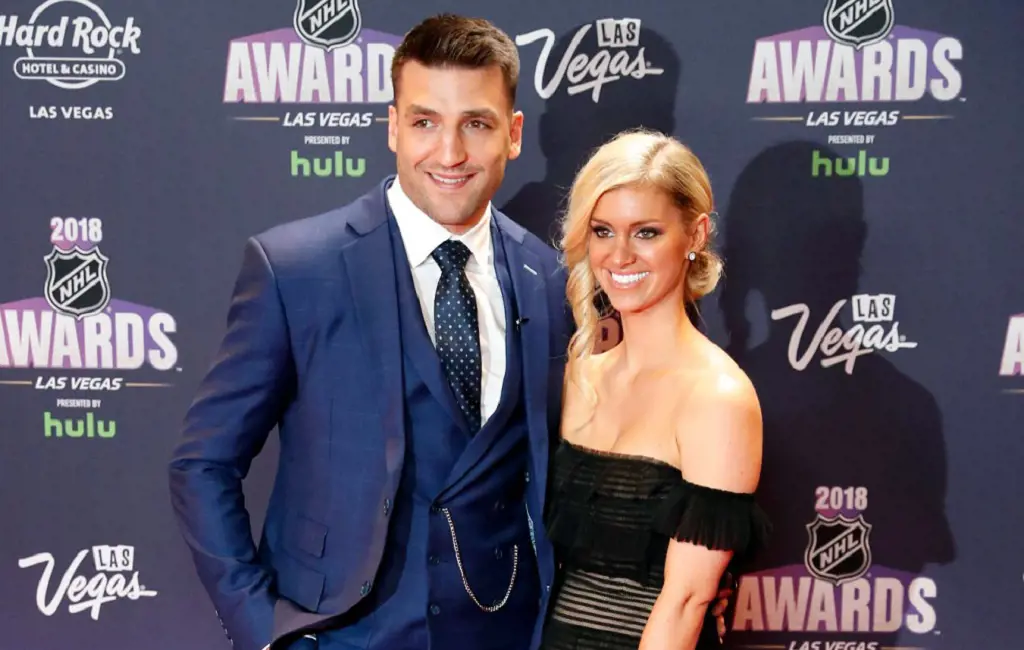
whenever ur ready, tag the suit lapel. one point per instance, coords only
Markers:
(530, 287)
(369, 263)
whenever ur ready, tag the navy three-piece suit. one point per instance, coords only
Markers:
(326, 340)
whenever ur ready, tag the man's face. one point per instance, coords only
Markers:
(452, 131)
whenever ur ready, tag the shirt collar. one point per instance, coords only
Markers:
(421, 234)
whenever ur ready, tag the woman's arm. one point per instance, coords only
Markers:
(721, 449)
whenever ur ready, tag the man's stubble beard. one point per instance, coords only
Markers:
(455, 213)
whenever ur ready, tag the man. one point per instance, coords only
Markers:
(410, 348)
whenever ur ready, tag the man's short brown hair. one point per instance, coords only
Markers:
(447, 40)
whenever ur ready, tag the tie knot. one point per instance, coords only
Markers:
(451, 256)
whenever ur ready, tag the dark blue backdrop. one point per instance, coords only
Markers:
(869, 219)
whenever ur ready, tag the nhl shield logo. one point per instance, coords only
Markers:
(76, 282)
(328, 24)
(858, 22)
(838, 548)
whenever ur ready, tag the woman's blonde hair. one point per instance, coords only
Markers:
(634, 158)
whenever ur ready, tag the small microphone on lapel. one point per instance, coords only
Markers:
(522, 320)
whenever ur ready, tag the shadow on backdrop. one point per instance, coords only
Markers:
(573, 126)
(793, 239)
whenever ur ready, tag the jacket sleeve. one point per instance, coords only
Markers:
(239, 402)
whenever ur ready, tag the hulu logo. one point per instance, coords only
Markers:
(338, 166)
(87, 427)
(860, 165)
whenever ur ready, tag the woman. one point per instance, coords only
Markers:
(661, 450)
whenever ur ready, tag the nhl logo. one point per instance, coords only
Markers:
(838, 549)
(858, 22)
(328, 24)
(76, 282)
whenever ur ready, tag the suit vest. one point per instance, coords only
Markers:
(474, 484)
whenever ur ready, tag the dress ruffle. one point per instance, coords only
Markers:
(612, 518)
(617, 514)
(716, 519)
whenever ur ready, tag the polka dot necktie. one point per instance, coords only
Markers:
(456, 332)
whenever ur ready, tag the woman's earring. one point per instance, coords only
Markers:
(692, 256)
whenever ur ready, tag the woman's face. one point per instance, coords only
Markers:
(638, 248)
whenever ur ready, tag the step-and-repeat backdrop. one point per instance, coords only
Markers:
(867, 162)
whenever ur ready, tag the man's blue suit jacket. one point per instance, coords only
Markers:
(313, 346)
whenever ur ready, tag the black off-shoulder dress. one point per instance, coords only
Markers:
(611, 519)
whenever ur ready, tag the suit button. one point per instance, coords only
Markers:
(435, 610)
(387, 507)
(498, 506)
(498, 554)
(365, 589)
(433, 559)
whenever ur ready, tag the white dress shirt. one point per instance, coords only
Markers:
(421, 235)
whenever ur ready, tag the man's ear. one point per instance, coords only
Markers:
(393, 129)
(516, 133)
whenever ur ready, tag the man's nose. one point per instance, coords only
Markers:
(452, 151)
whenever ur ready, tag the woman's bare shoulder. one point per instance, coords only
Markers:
(720, 444)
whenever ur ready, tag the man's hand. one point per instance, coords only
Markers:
(718, 611)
